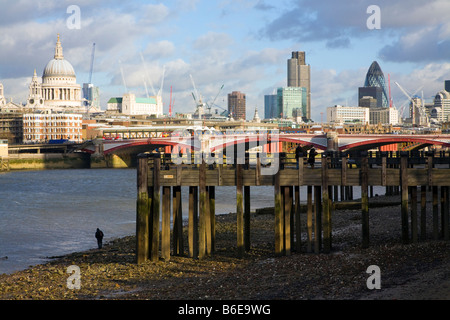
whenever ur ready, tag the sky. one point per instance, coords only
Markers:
(240, 44)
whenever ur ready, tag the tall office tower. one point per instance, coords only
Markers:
(270, 106)
(447, 85)
(292, 102)
(299, 75)
(236, 105)
(374, 92)
(375, 78)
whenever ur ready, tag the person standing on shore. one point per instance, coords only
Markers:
(312, 157)
(99, 237)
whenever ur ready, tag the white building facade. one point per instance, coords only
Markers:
(130, 105)
(344, 114)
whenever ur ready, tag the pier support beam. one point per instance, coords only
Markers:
(193, 222)
(309, 218)
(143, 208)
(156, 199)
(178, 243)
(326, 206)
(365, 201)
(404, 197)
(165, 227)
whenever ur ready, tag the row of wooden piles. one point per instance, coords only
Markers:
(154, 238)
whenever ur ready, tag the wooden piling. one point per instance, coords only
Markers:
(326, 207)
(178, 243)
(423, 212)
(404, 197)
(240, 211)
(142, 210)
(287, 182)
(445, 213)
(287, 219)
(414, 225)
(165, 227)
(365, 202)
(155, 213)
(193, 222)
(435, 213)
(309, 219)
(208, 226)
(278, 215)
(202, 212)
(298, 231)
(317, 220)
(212, 211)
(247, 218)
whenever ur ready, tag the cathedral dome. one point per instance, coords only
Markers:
(58, 66)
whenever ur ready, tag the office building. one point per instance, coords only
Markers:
(341, 115)
(91, 96)
(271, 107)
(292, 102)
(383, 116)
(376, 93)
(299, 75)
(236, 105)
(130, 105)
(42, 127)
(441, 110)
(375, 78)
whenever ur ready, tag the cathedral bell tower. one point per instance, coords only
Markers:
(35, 95)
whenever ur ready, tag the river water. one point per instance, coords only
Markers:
(54, 212)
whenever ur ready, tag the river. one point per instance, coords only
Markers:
(54, 212)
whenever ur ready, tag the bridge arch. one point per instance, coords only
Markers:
(368, 142)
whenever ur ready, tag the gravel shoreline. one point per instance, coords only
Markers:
(418, 271)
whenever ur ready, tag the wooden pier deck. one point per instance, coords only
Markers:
(403, 172)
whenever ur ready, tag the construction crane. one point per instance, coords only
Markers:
(212, 103)
(171, 103)
(123, 77)
(146, 74)
(410, 99)
(92, 63)
(199, 104)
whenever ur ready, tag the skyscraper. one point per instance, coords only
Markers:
(270, 106)
(299, 75)
(236, 105)
(375, 78)
(292, 102)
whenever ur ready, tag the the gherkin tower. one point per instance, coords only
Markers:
(375, 78)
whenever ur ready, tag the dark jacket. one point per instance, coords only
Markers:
(99, 234)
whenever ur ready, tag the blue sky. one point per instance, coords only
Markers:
(241, 44)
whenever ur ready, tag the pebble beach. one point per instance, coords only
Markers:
(416, 271)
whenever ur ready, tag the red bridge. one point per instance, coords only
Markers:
(268, 142)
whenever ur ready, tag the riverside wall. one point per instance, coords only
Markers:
(41, 161)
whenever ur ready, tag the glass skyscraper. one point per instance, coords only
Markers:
(271, 107)
(292, 102)
(375, 78)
